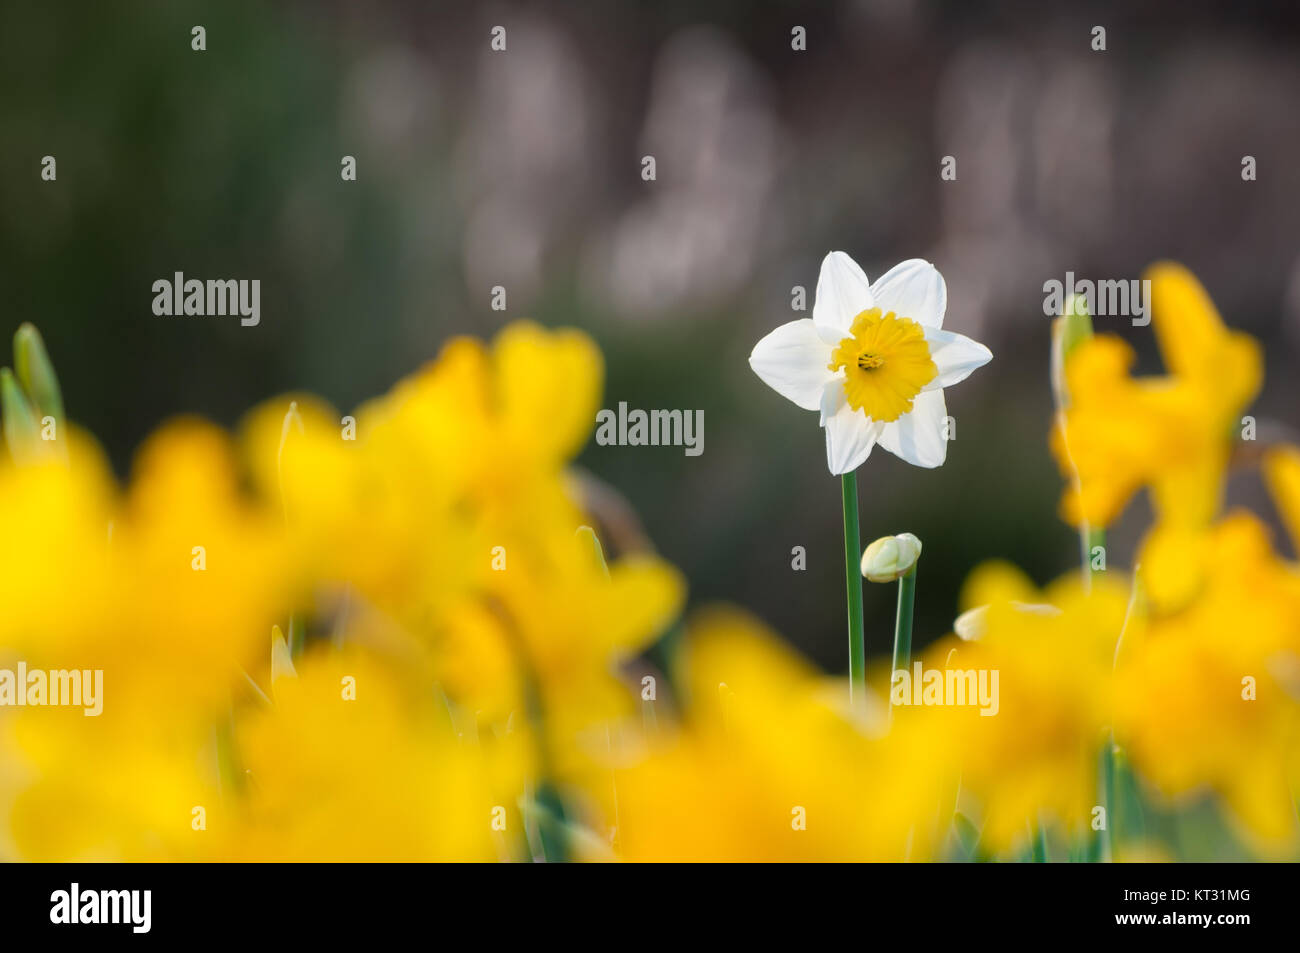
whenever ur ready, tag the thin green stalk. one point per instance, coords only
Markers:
(1112, 798)
(1072, 328)
(229, 776)
(1085, 554)
(546, 805)
(1040, 845)
(903, 620)
(853, 591)
(1091, 538)
(552, 828)
(297, 637)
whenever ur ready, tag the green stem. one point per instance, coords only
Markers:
(1090, 539)
(1040, 845)
(1112, 798)
(297, 637)
(853, 591)
(552, 830)
(903, 620)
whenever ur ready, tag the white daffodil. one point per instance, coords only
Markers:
(874, 359)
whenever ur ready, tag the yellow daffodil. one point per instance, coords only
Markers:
(166, 593)
(354, 761)
(202, 567)
(122, 785)
(1033, 759)
(1173, 433)
(451, 512)
(454, 685)
(58, 521)
(1282, 471)
(1206, 694)
(767, 765)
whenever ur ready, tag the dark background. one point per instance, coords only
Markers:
(522, 169)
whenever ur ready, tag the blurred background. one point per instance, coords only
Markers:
(523, 169)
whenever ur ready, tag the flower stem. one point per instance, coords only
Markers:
(1110, 789)
(903, 620)
(1089, 539)
(853, 590)
(1039, 844)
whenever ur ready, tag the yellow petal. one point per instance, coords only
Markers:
(1193, 340)
(1282, 473)
(549, 385)
(1173, 561)
(996, 581)
(644, 595)
(1187, 325)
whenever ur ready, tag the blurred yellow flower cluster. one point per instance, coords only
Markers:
(391, 635)
(450, 633)
(1206, 675)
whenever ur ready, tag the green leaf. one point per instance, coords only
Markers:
(22, 433)
(968, 835)
(36, 372)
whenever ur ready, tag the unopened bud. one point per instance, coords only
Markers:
(1071, 329)
(891, 557)
(36, 373)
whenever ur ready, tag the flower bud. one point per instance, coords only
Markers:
(36, 373)
(1071, 329)
(891, 557)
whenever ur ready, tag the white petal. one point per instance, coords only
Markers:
(792, 361)
(917, 436)
(850, 434)
(971, 625)
(955, 355)
(913, 289)
(833, 398)
(843, 293)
